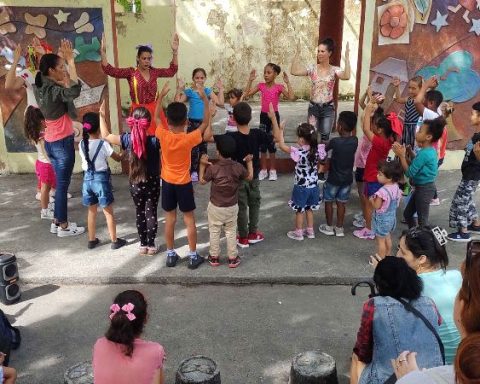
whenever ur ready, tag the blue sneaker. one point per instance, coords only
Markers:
(459, 237)
(195, 261)
(172, 259)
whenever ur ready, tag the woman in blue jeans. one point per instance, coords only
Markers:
(55, 89)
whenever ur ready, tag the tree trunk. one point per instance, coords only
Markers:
(313, 367)
(198, 370)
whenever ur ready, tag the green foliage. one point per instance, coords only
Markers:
(128, 5)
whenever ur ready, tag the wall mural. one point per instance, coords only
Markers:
(426, 38)
(25, 25)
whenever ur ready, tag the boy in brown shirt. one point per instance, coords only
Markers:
(222, 209)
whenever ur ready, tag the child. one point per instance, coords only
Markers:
(411, 114)
(381, 135)
(144, 163)
(234, 96)
(340, 175)
(225, 175)
(195, 112)
(422, 170)
(122, 356)
(34, 132)
(385, 202)
(270, 93)
(177, 188)
(97, 188)
(8, 375)
(463, 214)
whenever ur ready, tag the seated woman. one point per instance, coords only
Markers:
(423, 253)
(122, 357)
(388, 328)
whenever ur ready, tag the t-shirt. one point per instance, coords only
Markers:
(249, 144)
(379, 152)
(362, 152)
(270, 95)
(322, 87)
(341, 160)
(111, 365)
(196, 103)
(28, 80)
(470, 165)
(424, 167)
(387, 193)
(231, 123)
(306, 172)
(441, 144)
(153, 152)
(225, 176)
(442, 287)
(101, 162)
(40, 146)
(176, 154)
(444, 374)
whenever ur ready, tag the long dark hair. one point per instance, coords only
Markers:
(329, 43)
(47, 62)
(123, 330)
(138, 166)
(394, 278)
(422, 241)
(33, 123)
(91, 124)
(308, 133)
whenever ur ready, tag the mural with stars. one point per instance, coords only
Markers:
(44, 27)
(430, 38)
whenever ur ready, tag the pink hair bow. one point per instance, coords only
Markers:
(321, 151)
(138, 129)
(127, 308)
(87, 126)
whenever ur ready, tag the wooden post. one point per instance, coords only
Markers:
(81, 373)
(313, 367)
(198, 370)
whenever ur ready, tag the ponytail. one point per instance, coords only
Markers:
(91, 124)
(47, 62)
(33, 123)
(138, 123)
(308, 133)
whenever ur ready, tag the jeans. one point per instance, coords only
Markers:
(324, 115)
(420, 203)
(62, 156)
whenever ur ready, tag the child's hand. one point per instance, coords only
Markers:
(102, 109)
(248, 158)
(396, 82)
(285, 78)
(253, 75)
(219, 84)
(204, 160)
(432, 82)
(369, 93)
(409, 151)
(399, 149)
(165, 90)
(271, 112)
(180, 83)
(378, 99)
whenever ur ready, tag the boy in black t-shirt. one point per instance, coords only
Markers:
(340, 174)
(463, 214)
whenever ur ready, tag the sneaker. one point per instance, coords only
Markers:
(118, 244)
(359, 223)
(435, 202)
(263, 174)
(93, 243)
(321, 177)
(309, 234)
(339, 232)
(474, 228)
(46, 214)
(326, 230)
(71, 230)
(234, 263)
(172, 259)
(214, 261)
(54, 228)
(273, 175)
(195, 261)
(294, 235)
(51, 205)
(153, 250)
(460, 237)
(255, 237)
(51, 198)
(143, 250)
(242, 242)
(69, 195)
(38, 196)
(364, 233)
(194, 177)
(358, 216)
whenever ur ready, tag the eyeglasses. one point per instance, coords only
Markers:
(473, 249)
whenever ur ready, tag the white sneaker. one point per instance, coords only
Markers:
(38, 195)
(326, 230)
(46, 214)
(359, 223)
(71, 230)
(54, 228)
(273, 175)
(339, 232)
(263, 174)
(358, 216)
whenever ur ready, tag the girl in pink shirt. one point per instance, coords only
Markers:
(270, 93)
(122, 357)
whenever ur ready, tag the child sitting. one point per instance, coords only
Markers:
(97, 188)
(340, 175)
(225, 175)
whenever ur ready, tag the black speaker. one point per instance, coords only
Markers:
(9, 288)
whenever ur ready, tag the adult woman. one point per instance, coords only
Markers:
(55, 89)
(423, 253)
(388, 327)
(321, 110)
(142, 80)
(122, 357)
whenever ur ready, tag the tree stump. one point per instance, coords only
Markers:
(81, 373)
(313, 367)
(198, 370)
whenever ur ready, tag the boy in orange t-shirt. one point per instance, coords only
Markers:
(177, 188)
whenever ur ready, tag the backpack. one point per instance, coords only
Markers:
(10, 337)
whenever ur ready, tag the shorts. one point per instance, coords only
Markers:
(177, 194)
(359, 172)
(371, 187)
(266, 125)
(97, 189)
(384, 224)
(340, 193)
(45, 174)
(305, 199)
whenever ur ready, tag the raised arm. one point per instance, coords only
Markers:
(430, 83)
(345, 74)
(287, 93)
(278, 131)
(159, 115)
(206, 109)
(220, 102)
(180, 92)
(106, 135)
(12, 81)
(173, 68)
(118, 73)
(204, 163)
(398, 96)
(297, 69)
(367, 121)
(248, 89)
(67, 49)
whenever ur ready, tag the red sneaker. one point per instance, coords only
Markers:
(242, 242)
(255, 237)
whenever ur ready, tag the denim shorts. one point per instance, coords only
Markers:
(304, 199)
(97, 189)
(384, 223)
(371, 188)
(340, 193)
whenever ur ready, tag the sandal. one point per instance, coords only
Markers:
(234, 263)
(143, 250)
(152, 251)
(213, 260)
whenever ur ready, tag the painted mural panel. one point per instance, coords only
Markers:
(30, 26)
(426, 38)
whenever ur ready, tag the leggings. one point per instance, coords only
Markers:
(199, 150)
(145, 196)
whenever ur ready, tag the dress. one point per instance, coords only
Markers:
(410, 123)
